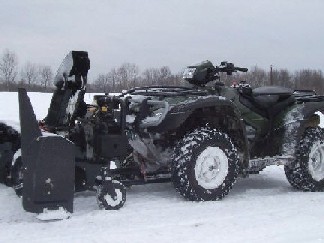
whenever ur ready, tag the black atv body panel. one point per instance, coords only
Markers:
(267, 101)
(111, 145)
(178, 114)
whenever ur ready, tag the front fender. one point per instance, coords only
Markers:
(209, 106)
(179, 113)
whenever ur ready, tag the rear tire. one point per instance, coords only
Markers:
(205, 165)
(308, 173)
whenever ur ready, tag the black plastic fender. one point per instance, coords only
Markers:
(311, 107)
(178, 114)
(295, 122)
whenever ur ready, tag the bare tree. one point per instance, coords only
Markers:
(128, 73)
(30, 73)
(114, 80)
(281, 77)
(166, 76)
(102, 82)
(165, 72)
(157, 76)
(110, 82)
(256, 77)
(8, 67)
(151, 76)
(46, 75)
(309, 79)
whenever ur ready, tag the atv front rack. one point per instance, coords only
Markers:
(166, 91)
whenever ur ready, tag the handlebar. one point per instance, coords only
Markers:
(229, 68)
(244, 70)
(205, 72)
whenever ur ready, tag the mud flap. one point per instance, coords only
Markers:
(48, 163)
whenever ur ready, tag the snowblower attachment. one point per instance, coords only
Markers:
(48, 162)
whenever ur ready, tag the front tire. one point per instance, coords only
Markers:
(205, 165)
(17, 176)
(308, 173)
(10, 136)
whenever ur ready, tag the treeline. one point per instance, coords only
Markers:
(128, 75)
(36, 77)
(305, 79)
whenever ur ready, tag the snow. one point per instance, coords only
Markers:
(291, 122)
(71, 105)
(50, 215)
(261, 208)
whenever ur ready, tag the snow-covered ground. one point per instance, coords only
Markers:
(261, 208)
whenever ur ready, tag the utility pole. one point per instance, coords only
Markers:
(271, 77)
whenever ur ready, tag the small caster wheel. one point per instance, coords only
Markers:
(111, 195)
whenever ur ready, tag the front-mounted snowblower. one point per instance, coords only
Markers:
(44, 175)
(48, 164)
(71, 149)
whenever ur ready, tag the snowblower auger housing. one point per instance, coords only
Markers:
(48, 164)
(71, 149)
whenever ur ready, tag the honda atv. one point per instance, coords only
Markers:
(200, 138)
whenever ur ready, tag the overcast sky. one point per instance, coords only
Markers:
(153, 33)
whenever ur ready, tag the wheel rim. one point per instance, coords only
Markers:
(316, 161)
(211, 168)
(114, 201)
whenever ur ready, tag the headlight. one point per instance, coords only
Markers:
(188, 73)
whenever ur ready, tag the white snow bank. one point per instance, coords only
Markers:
(262, 208)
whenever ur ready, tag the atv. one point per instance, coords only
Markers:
(200, 137)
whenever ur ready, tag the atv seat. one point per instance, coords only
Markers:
(270, 95)
(267, 101)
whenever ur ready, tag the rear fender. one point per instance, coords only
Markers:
(296, 121)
